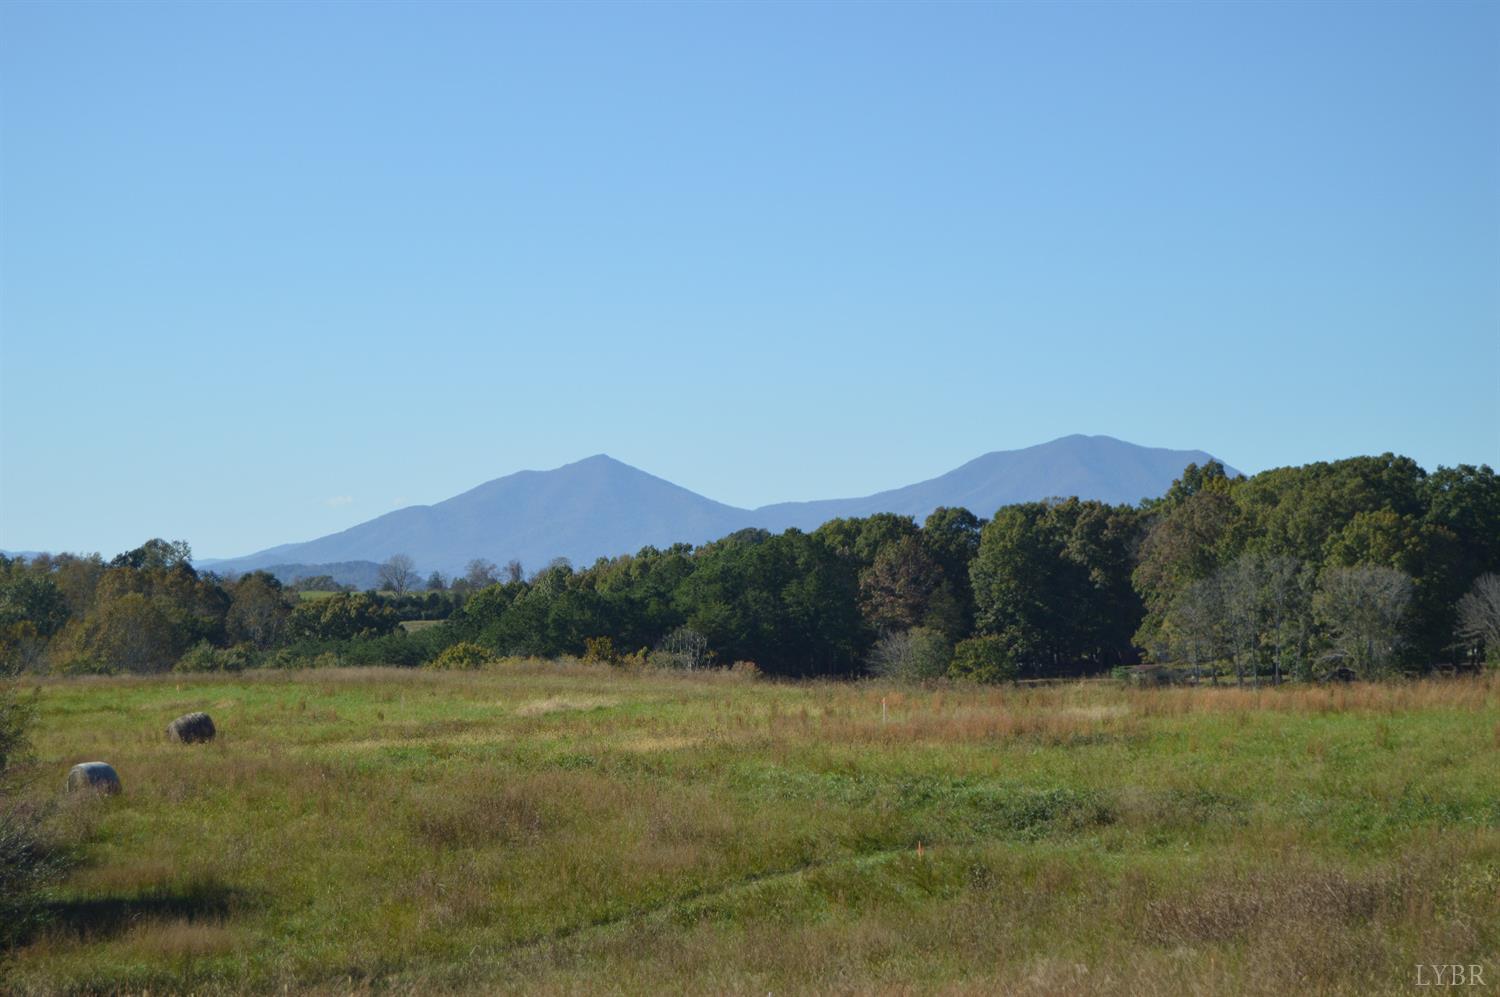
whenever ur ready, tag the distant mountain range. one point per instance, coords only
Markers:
(602, 507)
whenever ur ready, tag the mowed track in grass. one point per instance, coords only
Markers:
(548, 827)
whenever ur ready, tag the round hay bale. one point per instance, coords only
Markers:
(191, 728)
(99, 777)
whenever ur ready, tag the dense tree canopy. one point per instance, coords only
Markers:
(1369, 564)
(1052, 579)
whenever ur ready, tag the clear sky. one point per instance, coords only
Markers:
(269, 270)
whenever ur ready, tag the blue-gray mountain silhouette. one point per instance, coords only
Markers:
(1090, 467)
(601, 507)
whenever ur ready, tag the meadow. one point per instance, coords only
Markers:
(563, 827)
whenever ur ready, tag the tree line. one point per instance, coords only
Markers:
(1366, 566)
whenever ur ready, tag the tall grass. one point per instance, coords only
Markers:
(564, 828)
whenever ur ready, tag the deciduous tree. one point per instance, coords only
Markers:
(1479, 615)
(1363, 611)
(478, 573)
(897, 589)
(258, 611)
(398, 574)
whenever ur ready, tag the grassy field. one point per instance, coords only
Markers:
(566, 828)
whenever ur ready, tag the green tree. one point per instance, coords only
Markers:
(130, 633)
(1428, 552)
(345, 616)
(1021, 583)
(317, 583)
(789, 603)
(76, 577)
(638, 592)
(258, 611)
(897, 589)
(31, 596)
(156, 555)
(1186, 541)
(1210, 476)
(32, 609)
(983, 659)
(1053, 578)
(952, 536)
(1465, 501)
(1297, 511)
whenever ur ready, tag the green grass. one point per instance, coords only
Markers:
(566, 828)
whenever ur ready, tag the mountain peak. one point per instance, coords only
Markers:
(595, 462)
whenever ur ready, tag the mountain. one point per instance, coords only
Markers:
(579, 511)
(602, 507)
(1091, 467)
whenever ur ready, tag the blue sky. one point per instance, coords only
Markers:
(269, 270)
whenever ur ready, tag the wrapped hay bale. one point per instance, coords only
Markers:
(191, 728)
(96, 776)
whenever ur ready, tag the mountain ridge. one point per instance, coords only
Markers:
(975, 482)
(600, 506)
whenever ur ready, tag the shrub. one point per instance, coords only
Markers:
(293, 658)
(26, 868)
(394, 648)
(204, 657)
(285, 658)
(27, 865)
(15, 721)
(81, 664)
(462, 656)
(428, 642)
(600, 651)
(747, 670)
(984, 659)
(636, 660)
(666, 661)
(911, 656)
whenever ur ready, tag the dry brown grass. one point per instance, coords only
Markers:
(556, 704)
(177, 939)
(1472, 694)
